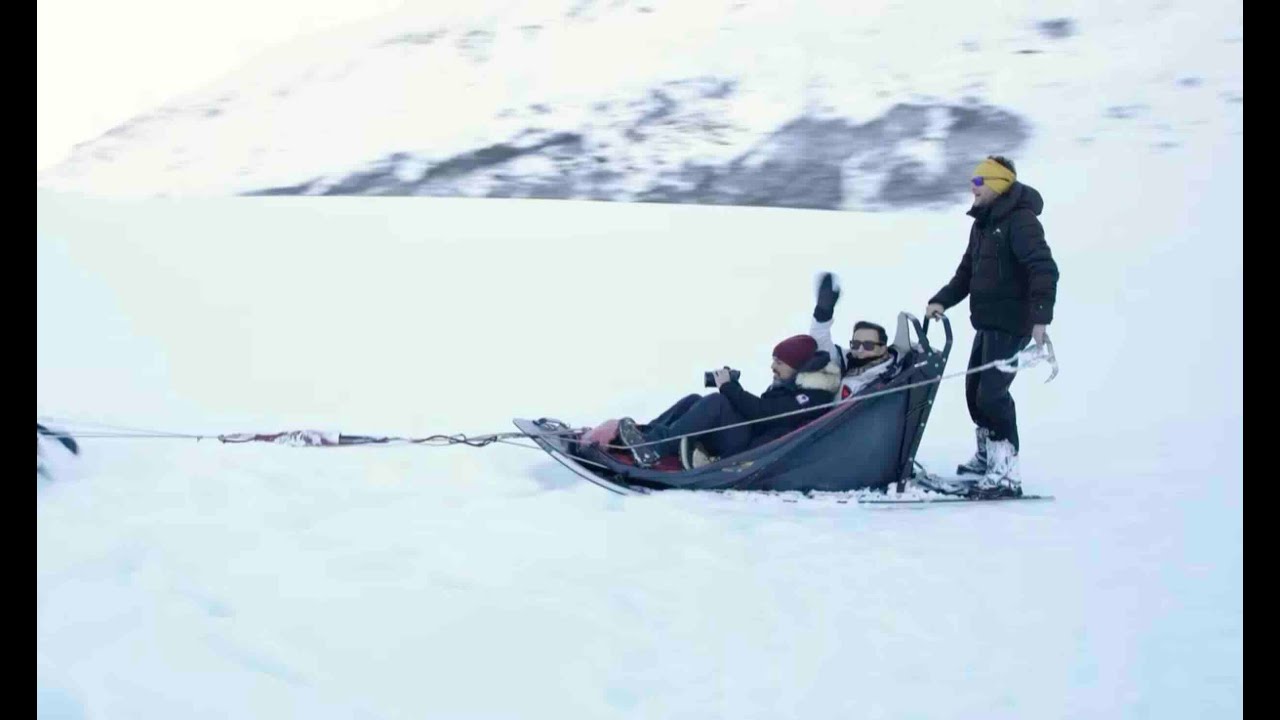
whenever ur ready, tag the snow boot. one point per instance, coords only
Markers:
(977, 465)
(1003, 479)
(645, 455)
(693, 454)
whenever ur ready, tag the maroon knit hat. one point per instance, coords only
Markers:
(796, 350)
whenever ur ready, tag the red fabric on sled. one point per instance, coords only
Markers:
(666, 463)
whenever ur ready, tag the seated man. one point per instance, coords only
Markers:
(803, 377)
(870, 358)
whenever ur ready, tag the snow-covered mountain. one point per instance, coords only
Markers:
(822, 104)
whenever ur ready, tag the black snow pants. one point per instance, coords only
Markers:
(694, 413)
(990, 404)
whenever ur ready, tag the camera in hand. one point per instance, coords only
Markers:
(709, 380)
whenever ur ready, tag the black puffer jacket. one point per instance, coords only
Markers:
(814, 386)
(1007, 271)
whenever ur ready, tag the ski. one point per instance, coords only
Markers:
(940, 499)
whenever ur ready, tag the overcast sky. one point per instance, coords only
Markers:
(99, 64)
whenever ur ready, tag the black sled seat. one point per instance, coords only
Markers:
(860, 443)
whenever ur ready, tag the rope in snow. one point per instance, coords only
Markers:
(315, 438)
(106, 430)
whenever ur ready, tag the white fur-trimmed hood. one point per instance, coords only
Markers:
(826, 379)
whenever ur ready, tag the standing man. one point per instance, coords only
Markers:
(1011, 280)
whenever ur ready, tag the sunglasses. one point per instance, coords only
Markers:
(864, 344)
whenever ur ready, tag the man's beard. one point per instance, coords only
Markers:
(979, 202)
(856, 362)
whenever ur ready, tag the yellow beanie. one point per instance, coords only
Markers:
(994, 175)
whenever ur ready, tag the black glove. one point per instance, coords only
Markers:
(827, 297)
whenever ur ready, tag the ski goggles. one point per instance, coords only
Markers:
(980, 181)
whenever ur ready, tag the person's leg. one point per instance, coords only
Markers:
(976, 465)
(606, 431)
(1003, 477)
(992, 398)
(709, 412)
(677, 410)
(971, 382)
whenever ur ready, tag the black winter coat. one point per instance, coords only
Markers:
(814, 386)
(1007, 270)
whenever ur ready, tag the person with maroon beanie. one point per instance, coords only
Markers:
(803, 377)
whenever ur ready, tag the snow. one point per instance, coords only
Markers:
(437, 84)
(178, 578)
(402, 582)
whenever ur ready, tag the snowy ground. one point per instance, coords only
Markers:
(195, 580)
(199, 580)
